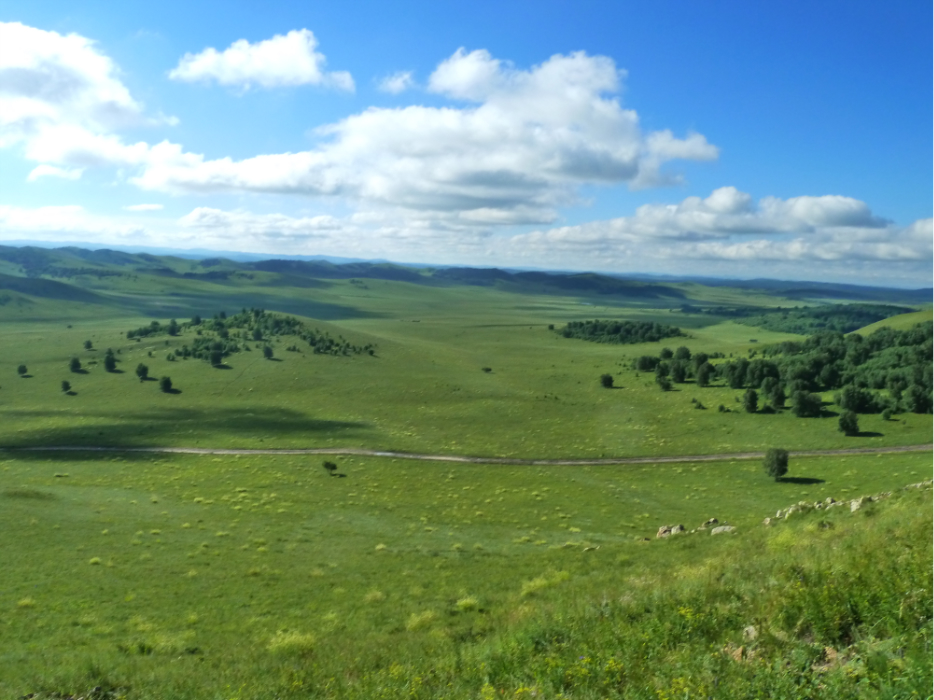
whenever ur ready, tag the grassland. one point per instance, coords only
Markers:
(262, 577)
(900, 322)
(177, 576)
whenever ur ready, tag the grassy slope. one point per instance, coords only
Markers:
(900, 322)
(200, 577)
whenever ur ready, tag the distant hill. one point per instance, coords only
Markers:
(899, 323)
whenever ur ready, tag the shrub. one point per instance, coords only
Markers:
(66, 386)
(849, 423)
(663, 383)
(776, 462)
(75, 364)
(22, 370)
(165, 384)
(267, 352)
(330, 467)
(805, 404)
(751, 401)
(110, 362)
(142, 371)
(887, 414)
(88, 345)
(606, 381)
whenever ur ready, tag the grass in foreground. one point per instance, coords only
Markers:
(204, 577)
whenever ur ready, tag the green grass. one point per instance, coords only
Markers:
(902, 322)
(193, 577)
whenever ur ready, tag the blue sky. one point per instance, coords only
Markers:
(738, 139)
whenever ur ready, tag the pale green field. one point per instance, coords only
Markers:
(900, 322)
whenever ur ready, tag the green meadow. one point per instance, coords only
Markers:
(139, 575)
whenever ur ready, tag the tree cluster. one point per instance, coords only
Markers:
(621, 332)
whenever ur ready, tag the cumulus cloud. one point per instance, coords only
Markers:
(69, 222)
(241, 224)
(52, 171)
(519, 149)
(729, 226)
(397, 82)
(283, 61)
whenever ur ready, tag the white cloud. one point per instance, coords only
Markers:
(397, 82)
(284, 60)
(531, 138)
(239, 224)
(144, 207)
(52, 171)
(69, 222)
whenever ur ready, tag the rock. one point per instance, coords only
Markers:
(663, 531)
(767, 521)
(708, 523)
(830, 500)
(856, 504)
(675, 529)
(750, 634)
(722, 529)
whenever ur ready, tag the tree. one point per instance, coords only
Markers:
(849, 423)
(777, 396)
(666, 354)
(165, 384)
(217, 358)
(682, 353)
(75, 364)
(664, 383)
(703, 374)
(776, 463)
(22, 371)
(173, 327)
(66, 386)
(142, 371)
(257, 334)
(751, 401)
(679, 371)
(330, 467)
(88, 345)
(196, 320)
(806, 405)
(110, 362)
(267, 352)
(887, 414)
(606, 381)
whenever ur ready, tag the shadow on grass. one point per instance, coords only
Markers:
(800, 480)
(185, 427)
(173, 390)
(223, 365)
(868, 433)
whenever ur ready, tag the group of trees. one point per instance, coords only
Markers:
(677, 367)
(842, 318)
(624, 332)
(223, 335)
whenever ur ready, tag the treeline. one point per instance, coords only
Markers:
(622, 332)
(807, 320)
(222, 336)
(889, 370)
(678, 366)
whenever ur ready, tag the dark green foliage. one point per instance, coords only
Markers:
(704, 373)
(664, 383)
(625, 332)
(853, 398)
(666, 354)
(217, 358)
(66, 386)
(195, 320)
(645, 363)
(841, 318)
(917, 399)
(682, 353)
(22, 370)
(329, 467)
(751, 401)
(699, 359)
(165, 384)
(805, 404)
(887, 414)
(267, 352)
(777, 396)
(678, 371)
(75, 364)
(88, 345)
(172, 328)
(775, 463)
(848, 423)
(142, 371)
(606, 381)
(110, 362)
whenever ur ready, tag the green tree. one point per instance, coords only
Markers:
(110, 362)
(776, 463)
(887, 414)
(88, 345)
(679, 371)
(806, 405)
(606, 381)
(22, 370)
(142, 371)
(165, 384)
(664, 383)
(704, 373)
(75, 364)
(777, 396)
(267, 352)
(173, 327)
(66, 386)
(751, 401)
(329, 467)
(682, 353)
(849, 423)
(217, 358)
(666, 354)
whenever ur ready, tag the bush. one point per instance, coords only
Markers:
(776, 462)
(887, 414)
(75, 364)
(88, 345)
(142, 371)
(606, 381)
(664, 383)
(165, 384)
(110, 362)
(267, 352)
(704, 371)
(66, 386)
(849, 423)
(751, 401)
(806, 405)
(22, 371)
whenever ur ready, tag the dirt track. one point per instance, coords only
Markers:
(480, 460)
